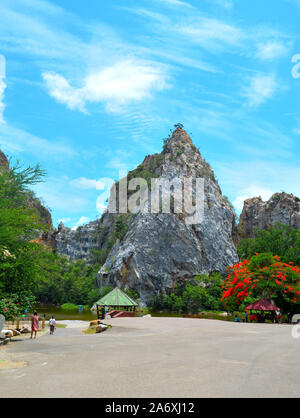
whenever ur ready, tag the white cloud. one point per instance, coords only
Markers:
(83, 220)
(262, 87)
(2, 106)
(103, 184)
(59, 197)
(64, 220)
(124, 82)
(227, 4)
(176, 3)
(84, 183)
(211, 33)
(15, 140)
(251, 191)
(60, 89)
(296, 131)
(258, 177)
(271, 50)
(2, 86)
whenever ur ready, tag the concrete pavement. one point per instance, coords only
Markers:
(156, 357)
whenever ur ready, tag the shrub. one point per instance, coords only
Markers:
(281, 240)
(201, 293)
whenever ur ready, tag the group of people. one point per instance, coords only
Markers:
(261, 317)
(35, 324)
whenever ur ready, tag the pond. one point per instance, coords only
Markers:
(61, 314)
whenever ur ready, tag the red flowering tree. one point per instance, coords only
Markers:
(14, 305)
(263, 276)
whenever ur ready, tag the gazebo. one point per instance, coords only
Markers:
(263, 305)
(116, 300)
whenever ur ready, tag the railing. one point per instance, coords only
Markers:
(19, 323)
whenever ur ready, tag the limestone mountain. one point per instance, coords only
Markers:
(158, 250)
(281, 207)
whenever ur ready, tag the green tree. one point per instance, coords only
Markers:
(121, 228)
(19, 224)
(281, 240)
(201, 293)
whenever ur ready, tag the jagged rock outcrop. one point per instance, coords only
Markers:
(3, 160)
(160, 250)
(77, 244)
(91, 242)
(282, 207)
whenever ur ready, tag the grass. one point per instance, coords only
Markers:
(72, 307)
(59, 325)
(92, 330)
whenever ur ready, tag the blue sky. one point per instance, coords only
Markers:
(91, 88)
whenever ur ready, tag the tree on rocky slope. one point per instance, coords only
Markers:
(280, 239)
(18, 226)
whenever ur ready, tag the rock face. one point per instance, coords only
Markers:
(282, 207)
(3, 160)
(77, 244)
(80, 244)
(160, 250)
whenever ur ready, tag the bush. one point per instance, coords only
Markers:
(202, 293)
(69, 307)
(281, 240)
(16, 304)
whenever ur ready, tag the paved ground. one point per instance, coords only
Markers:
(155, 357)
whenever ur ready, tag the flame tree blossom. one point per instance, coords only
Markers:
(262, 276)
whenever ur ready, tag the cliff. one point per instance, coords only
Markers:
(3, 160)
(282, 207)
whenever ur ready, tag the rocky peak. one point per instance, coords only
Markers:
(281, 207)
(173, 250)
(179, 137)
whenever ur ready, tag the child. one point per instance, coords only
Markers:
(52, 324)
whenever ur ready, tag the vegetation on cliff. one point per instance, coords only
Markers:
(19, 256)
(281, 240)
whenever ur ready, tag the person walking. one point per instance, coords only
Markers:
(52, 324)
(278, 317)
(35, 325)
(43, 321)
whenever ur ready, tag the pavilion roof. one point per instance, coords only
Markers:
(262, 305)
(116, 298)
